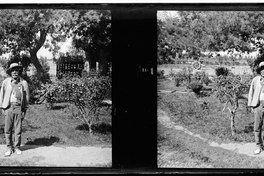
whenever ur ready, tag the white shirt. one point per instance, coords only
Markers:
(13, 98)
(261, 96)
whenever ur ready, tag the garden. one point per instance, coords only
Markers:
(202, 111)
(70, 108)
(215, 108)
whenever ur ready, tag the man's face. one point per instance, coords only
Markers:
(15, 73)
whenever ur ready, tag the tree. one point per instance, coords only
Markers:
(92, 34)
(86, 93)
(209, 31)
(229, 90)
(27, 30)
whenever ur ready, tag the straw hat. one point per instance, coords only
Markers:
(12, 66)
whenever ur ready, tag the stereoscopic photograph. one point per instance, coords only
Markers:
(56, 84)
(210, 89)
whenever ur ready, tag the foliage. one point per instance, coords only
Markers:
(183, 77)
(229, 89)
(49, 94)
(27, 30)
(202, 77)
(37, 82)
(195, 86)
(192, 33)
(86, 93)
(222, 71)
(45, 127)
(204, 116)
(92, 34)
(70, 57)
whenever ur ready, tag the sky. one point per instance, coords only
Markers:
(64, 48)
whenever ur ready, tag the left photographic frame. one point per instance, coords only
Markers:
(66, 59)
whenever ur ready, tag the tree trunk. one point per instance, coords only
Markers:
(90, 128)
(233, 129)
(35, 49)
(103, 61)
(36, 63)
(91, 57)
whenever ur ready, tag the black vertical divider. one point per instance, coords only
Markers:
(134, 41)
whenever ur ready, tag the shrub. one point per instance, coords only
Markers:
(251, 63)
(202, 77)
(37, 81)
(49, 94)
(195, 86)
(222, 71)
(86, 93)
(183, 76)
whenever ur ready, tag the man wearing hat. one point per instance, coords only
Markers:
(14, 98)
(256, 102)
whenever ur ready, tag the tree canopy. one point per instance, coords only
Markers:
(27, 30)
(209, 31)
(92, 34)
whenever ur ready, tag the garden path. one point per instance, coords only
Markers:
(85, 156)
(241, 148)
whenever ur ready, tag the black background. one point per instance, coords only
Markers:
(134, 61)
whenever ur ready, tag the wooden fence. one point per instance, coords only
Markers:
(69, 68)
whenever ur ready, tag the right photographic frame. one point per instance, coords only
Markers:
(209, 86)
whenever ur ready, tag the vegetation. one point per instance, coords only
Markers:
(86, 93)
(222, 71)
(221, 115)
(194, 33)
(27, 30)
(58, 126)
(23, 32)
(205, 116)
(185, 151)
(230, 89)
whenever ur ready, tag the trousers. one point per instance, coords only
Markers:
(13, 119)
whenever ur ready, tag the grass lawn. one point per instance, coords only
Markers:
(177, 149)
(204, 115)
(58, 127)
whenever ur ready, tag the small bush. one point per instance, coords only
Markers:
(202, 77)
(196, 87)
(86, 93)
(222, 71)
(183, 76)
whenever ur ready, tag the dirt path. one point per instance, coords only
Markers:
(59, 156)
(242, 148)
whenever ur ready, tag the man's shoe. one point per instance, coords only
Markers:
(8, 153)
(18, 151)
(258, 151)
